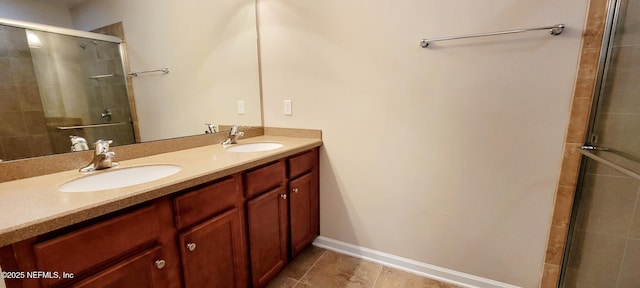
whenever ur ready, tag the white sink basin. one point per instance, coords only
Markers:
(254, 147)
(119, 177)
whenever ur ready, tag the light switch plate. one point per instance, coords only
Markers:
(288, 110)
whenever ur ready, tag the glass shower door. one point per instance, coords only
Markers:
(604, 244)
(83, 89)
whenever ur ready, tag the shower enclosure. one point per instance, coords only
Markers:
(54, 85)
(604, 238)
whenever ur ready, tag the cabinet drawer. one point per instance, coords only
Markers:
(205, 202)
(88, 247)
(142, 270)
(301, 164)
(264, 179)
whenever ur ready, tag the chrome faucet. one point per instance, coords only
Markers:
(234, 134)
(102, 158)
(212, 128)
(78, 143)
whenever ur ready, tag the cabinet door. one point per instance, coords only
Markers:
(267, 217)
(214, 253)
(303, 207)
(144, 270)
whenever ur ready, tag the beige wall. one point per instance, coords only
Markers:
(448, 155)
(36, 11)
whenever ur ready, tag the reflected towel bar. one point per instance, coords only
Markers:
(554, 30)
(89, 126)
(163, 70)
(101, 76)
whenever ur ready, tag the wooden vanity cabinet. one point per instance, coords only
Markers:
(214, 251)
(267, 221)
(239, 231)
(284, 215)
(130, 249)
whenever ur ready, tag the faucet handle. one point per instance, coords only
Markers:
(234, 130)
(233, 135)
(102, 146)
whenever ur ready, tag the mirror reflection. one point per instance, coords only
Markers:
(82, 89)
(61, 93)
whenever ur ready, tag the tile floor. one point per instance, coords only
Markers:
(317, 267)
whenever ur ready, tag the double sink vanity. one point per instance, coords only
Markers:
(208, 216)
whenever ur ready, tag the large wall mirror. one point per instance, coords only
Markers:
(208, 47)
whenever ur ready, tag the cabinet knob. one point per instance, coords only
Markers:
(295, 190)
(191, 246)
(283, 196)
(160, 264)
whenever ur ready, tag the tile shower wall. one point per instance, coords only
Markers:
(618, 117)
(117, 29)
(624, 55)
(606, 242)
(23, 133)
(605, 248)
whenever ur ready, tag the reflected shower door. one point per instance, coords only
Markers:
(604, 245)
(83, 89)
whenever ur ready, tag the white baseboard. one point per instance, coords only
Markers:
(412, 266)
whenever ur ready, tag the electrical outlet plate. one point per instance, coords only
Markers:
(287, 107)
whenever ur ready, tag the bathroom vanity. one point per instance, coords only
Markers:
(226, 219)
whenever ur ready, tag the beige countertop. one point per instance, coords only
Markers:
(34, 206)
